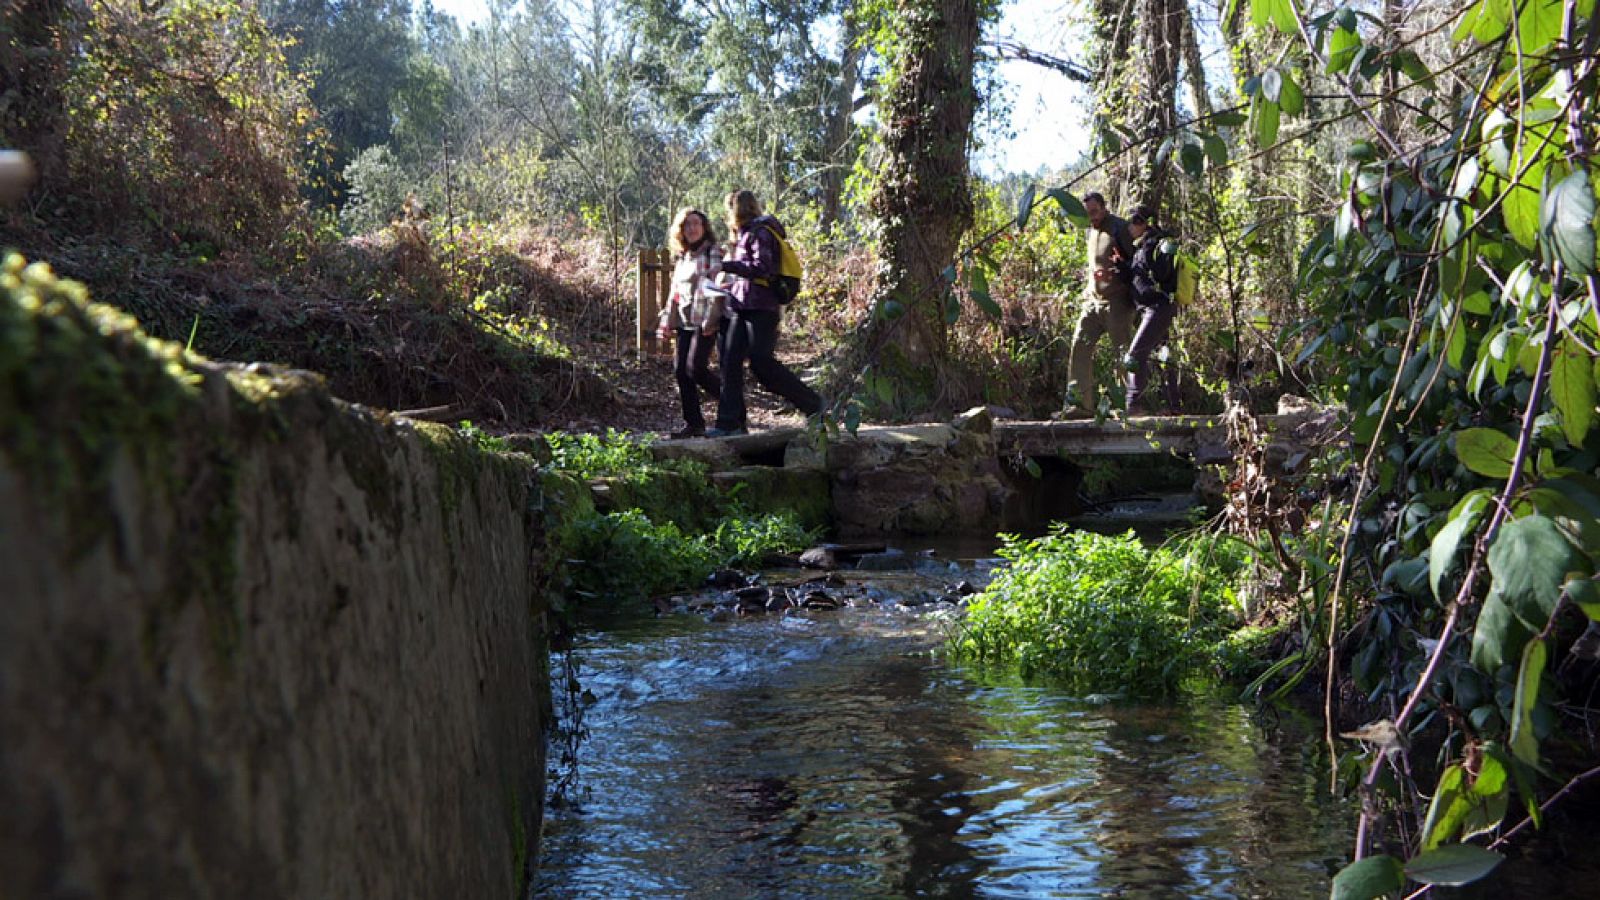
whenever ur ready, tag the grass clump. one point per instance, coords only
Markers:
(1104, 614)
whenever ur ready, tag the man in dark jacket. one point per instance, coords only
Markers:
(1153, 277)
(754, 312)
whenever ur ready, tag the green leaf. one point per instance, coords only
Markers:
(1497, 633)
(1448, 808)
(1342, 47)
(1025, 208)
(1572, 388)
(1266, 116)
(948, 276)
(1228, 118)
(1292, 99)
(1445, 544)
(1486, 451)
(1369, 878)
(1216, 150)
(1524, 743)
(1566, 222)
(1529, 560)
(1283, 16)
(852, 417)
(980, 294)
(891, 309)
(1032, 465)
(1454, 865)
(1539, 25)
(1521, 207)
(1585, 594)
(1193, 160)
(1071, 206)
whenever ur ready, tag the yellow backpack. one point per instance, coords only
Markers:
(787, 284)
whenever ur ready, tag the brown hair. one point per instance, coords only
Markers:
(675, 233)
(742, 208)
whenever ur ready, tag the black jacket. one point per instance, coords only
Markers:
(1153, 273)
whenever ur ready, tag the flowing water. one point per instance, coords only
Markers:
(830, 754)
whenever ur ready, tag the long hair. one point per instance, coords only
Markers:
(742, 209)
(675, 237)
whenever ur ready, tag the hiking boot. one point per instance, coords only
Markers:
(725, 432)
(683, 434)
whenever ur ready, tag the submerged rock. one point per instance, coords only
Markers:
(887, 561)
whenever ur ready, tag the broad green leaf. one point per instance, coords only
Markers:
(1524, 743)
(1448, 808)
(1456, 864)
(1572, 388)
(1368, 879)
(1529, 560)
(1216, 150)
(1521, 207)
(852, 417)
(1497, 635)
(1070, 205)
(1486, 451)
(1538, 26)
(1266, 120)
(1283, 16)
(980, 293)
(891, 309)
(1566, 222)
(1193, 160)
(1477, 303)
(1522, 776)
(1292, 99)
(1228, 118)
(1025, 208)
(1485, 21)
(1342, 47)
(1445, 544)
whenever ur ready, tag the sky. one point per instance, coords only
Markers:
(1048, 125)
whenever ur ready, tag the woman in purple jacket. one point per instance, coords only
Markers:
(753, 312)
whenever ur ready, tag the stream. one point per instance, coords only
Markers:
(830, 754)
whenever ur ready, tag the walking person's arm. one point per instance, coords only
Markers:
(761, 255)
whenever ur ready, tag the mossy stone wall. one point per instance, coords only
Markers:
(256, 642)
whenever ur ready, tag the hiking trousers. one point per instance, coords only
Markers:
(753, 335)
(693, 371)
(1115, 314)
(1155, 324)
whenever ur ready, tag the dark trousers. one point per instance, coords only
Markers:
(753, 335)
(1155, 322)
(693, 371)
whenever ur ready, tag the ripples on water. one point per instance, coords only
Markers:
(831, 756)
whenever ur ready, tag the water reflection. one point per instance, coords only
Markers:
(831, 757)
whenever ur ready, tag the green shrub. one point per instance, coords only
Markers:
(1102, 613)
(624, 554)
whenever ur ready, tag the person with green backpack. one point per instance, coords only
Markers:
(765, 276)
(1153, 277)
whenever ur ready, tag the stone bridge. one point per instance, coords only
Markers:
(973, 475)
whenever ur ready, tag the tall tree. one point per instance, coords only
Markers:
(923, 202)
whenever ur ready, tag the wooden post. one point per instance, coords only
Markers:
(655, 286)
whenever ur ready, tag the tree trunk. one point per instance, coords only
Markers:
(923, 201)
(1162, 23)
(837, 141)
